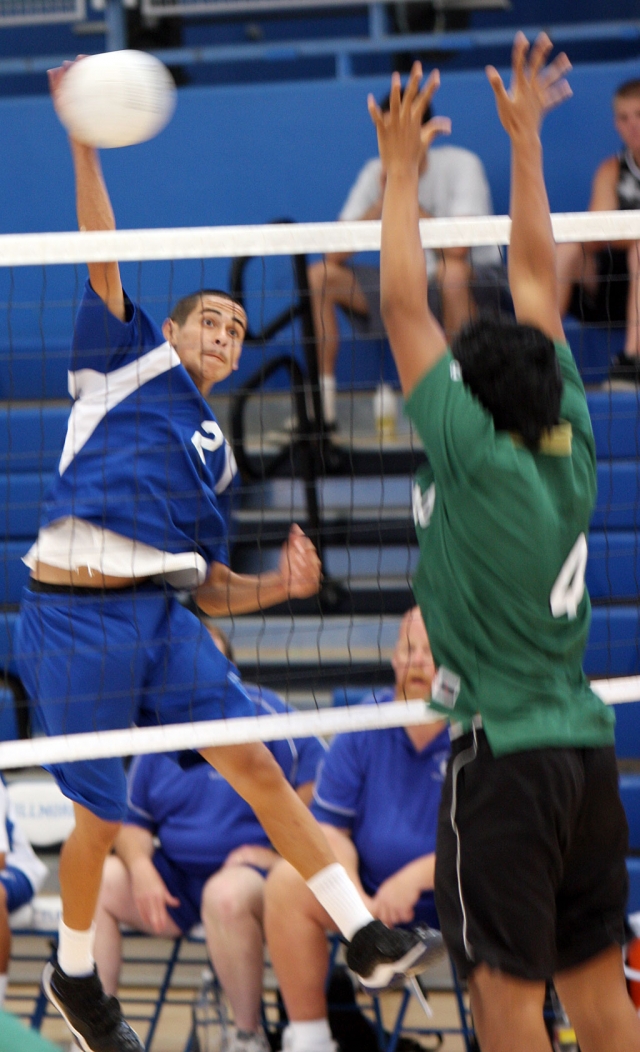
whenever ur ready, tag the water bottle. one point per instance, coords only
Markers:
(385, 411)
(209, 1017)
(563, 1036)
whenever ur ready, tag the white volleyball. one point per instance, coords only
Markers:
(116, 99)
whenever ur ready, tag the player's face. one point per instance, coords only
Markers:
(412, 660)
(210, 340)
(626, 114)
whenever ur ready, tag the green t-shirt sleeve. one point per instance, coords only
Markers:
(456, 431)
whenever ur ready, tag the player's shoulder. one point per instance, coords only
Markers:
(608, 170)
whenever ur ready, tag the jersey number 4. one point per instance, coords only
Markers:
(567, 592)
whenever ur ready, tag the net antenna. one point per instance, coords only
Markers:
(32, 443)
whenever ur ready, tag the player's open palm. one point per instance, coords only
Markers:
(299, 566)
(536, 87)
(402, 137)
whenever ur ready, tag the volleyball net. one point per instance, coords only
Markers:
(348, 484)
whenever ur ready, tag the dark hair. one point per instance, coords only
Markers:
(513, 371)
(386, 102)
(187, 304)
(627, 90)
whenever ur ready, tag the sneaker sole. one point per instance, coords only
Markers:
(46, 985)
(414, 961)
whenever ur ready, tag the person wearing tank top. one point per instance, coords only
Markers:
(599, 282)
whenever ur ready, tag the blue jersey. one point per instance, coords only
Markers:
(376, 785)
(144, 455)
(196, 815)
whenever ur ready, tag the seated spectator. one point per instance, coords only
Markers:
(22, 874)
(210, 866)
(461, 281)
(598, 282)
(377, 799)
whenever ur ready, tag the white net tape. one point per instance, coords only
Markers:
(291, 239)
(178, 736)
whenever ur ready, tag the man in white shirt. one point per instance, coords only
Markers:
(462, 282)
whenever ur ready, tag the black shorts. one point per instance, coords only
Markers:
(542, 839)
(610, 301)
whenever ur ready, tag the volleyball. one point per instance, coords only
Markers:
(116, 99)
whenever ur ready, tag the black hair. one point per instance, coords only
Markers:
(513, 371)
(628, 90)
(385, 103)
(187, 304)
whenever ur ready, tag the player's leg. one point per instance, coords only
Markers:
(596, 1000)
(502, 830)
(632, 338)
(116, 906)
(232, 914)
(331, 285)
(507, 1012)
(377, 953)
(81, 862)
(5, 941)
(90, 685)
(591, 906)
(296, 926)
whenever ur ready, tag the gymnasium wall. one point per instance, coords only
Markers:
(250, 154)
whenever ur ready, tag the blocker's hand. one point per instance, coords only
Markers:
(299, 565)
(535, 87)
(402, 137)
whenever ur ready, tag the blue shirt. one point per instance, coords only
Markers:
(376, 785)
(144, 455)
(195, 813)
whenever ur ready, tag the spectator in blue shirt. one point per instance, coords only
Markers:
(377, 799)
(210, 866)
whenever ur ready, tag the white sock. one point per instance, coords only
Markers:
(336, 892)
(311, 1036)
(3, 988)
(75, 950)
(328, 395)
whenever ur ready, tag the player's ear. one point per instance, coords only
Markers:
(168, 330)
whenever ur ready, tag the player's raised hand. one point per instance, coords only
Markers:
(402, 137)
(299, 565)
(55, 77)
(536, 87)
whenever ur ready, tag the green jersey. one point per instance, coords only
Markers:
(503, 552)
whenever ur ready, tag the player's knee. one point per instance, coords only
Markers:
(286, 891)
(232, 895)
(115, 884)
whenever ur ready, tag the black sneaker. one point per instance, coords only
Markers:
(382, 957)
(624, 372)
(94, 1019)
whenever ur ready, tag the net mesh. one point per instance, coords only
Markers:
(349, 489)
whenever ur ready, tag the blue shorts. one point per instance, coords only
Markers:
(108, 660)
(187, 886)
(17, 886)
